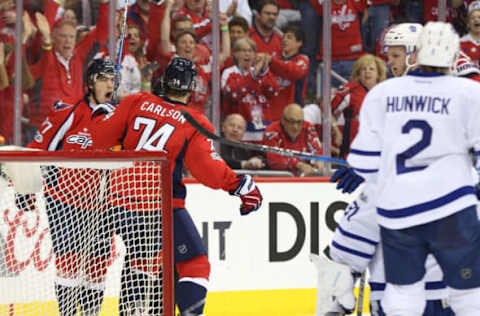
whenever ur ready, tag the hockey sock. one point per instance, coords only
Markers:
(190, 298)
(67, 299)
(91, 301)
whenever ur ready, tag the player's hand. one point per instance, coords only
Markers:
(103, 108)
(25, 202)
(349, 180)
(248, 192)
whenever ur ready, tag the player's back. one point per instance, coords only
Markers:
(426, 126)
(145, 122)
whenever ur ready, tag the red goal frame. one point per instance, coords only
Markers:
(118, 156)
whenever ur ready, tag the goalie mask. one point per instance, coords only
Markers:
(101, 70)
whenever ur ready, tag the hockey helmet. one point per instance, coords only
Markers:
(100, 68)
(438, 44)
(404, 34)
(180, 75)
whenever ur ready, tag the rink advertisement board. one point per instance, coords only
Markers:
(260, 262)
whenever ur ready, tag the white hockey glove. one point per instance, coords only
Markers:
(335, 287)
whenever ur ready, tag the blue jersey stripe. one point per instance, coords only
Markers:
(356, 237)
(364, 152)
(365, 170)
(427, 206)
(351, 251)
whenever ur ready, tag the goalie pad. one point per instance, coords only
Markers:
(334, 287)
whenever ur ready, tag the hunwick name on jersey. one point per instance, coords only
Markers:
(418, 103)
(162, 112)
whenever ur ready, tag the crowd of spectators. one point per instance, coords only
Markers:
(269, 56)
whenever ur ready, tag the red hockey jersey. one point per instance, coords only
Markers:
(346, 36)
(62, 126)
(271, 45)
(307, 141)
(145, 122)
(251, 97)
(291, 74)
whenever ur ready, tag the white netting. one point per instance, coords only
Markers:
(90, 243)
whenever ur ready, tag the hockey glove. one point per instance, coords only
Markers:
(248, 192)
(25, 202)
(103, 108)
(349, 180)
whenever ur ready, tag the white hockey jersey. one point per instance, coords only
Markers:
(356, 243)
(415, 134)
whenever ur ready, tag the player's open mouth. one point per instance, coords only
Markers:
(108, 95)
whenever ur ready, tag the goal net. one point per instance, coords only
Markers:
(85, 233)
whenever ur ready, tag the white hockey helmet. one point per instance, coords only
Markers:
(438, 44)
(404, 34)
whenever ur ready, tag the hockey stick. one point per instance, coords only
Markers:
(116, 79)
(361, 292)
(263, 148)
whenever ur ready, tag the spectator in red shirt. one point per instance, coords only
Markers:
(346, 37)
(290, 69)
(292, 132)
(197, 11)
(162, 36)
(185, 46)
(59, 71)
(367, 71)
(470, 43)
(247, 89)
(262, 31)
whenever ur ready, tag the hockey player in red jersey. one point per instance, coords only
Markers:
(147, 122)
(70, 222)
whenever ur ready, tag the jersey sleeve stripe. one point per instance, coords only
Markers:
(365, 170)
(60, 134)
(357, 237)
(427, 206)
(351, 251)
(364, 152)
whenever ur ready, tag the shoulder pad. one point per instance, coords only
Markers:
(60, 105)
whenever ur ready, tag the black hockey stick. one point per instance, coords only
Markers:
(264, 148)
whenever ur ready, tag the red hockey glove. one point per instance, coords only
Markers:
(248, 192)
(25, 202)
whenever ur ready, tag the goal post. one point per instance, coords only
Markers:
(86, 233)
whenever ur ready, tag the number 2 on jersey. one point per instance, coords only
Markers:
(158, 140)
(423, 143)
